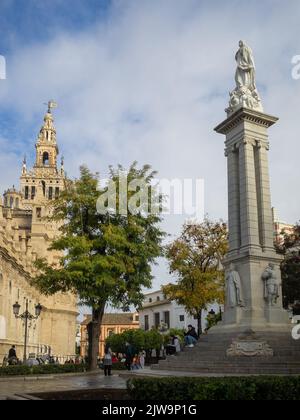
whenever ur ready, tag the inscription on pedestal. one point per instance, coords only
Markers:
(249, 349)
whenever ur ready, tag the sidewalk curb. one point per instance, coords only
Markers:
(46, 377)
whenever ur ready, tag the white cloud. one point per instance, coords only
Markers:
(151, 83)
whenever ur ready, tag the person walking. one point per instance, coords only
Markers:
(142, 359)
(107, 362)
(129, 355)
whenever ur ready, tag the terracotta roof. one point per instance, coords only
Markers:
(156, 303)
(113, 319)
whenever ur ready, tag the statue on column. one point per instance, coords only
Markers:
(245, 93)
(234, 288)
(271, 285)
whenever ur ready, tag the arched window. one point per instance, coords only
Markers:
(11, 202)
(44, 187)
(45, 158)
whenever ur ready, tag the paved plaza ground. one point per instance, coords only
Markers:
(27, 385)
(12, 386)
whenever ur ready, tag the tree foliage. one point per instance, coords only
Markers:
(139, 339)
(195, 258)
(290, 266)
(106, 258)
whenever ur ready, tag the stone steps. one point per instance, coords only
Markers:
(235, 370)
(231, 364)
(209, 356)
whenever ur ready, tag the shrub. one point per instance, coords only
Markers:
(23, 370)
(231, 388)
(118, 366)
(135, 337)
(153, 340)
(15, 370)
(174, 331)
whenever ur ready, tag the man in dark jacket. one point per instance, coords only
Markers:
(191, 336)
(129, 353)
(12, 356)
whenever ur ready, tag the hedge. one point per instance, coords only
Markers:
(228, 388)
(41, 369)
(115, 366)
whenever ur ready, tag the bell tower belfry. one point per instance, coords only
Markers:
(46, 146)
(45, 180)
(42, 184)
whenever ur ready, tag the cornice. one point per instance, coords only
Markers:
(245, 115)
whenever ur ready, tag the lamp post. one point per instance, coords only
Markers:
(26, 316)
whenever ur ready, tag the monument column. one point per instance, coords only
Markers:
(253, 278)
(264, 197)
(248, 196)
(232, 154)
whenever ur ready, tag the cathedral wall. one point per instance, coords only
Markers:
(14, 287)
(56, 327)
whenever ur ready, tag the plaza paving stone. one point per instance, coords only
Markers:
(29, 385)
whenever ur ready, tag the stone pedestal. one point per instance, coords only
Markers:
(251, 239)
(255, 336)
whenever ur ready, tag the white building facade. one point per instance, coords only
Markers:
(158, 310)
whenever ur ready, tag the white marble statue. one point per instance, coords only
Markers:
(245, 93)
(245, 71)
(271, 285)
(234, 288)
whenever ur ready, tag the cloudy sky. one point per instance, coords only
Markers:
(148, 80)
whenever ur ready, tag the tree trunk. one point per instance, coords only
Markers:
(94, 329)
(199, 322)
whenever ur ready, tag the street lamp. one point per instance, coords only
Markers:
(26, 316)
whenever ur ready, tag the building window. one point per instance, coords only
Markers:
(44, 188)
(32, 192)
(110, 333)
(167, 318)
(45, 158)
(50, 193)
(156, 319)
(56, 192)
(11, 202)
(136, 318)
(158, 298)
(181, 318)
(150, 300)
(146, 322)
(38, 212)
(26, 192)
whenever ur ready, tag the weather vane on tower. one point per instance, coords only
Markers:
(51, 105)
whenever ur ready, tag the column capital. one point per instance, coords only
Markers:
(244, 115)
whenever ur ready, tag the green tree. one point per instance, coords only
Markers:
(116, 342)
(153, 341)
(195, 258)
(107, 256)
(176, 332)
(136, 338)
(290, 267)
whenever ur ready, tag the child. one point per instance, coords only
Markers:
(107, 363)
